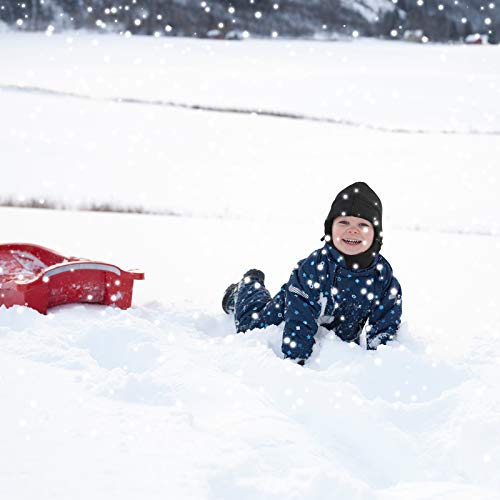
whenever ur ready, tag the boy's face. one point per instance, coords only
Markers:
(352, 235)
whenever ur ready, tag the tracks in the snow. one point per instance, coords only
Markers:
(246, 111)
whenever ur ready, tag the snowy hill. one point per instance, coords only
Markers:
(164, 400)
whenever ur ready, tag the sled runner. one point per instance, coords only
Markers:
(37, 277)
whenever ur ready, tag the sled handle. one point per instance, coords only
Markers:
(136, 274)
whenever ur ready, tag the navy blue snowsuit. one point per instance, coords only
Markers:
(323, 291)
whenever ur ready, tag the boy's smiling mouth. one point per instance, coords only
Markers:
(351, 243)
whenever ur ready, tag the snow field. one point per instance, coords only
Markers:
(163, 399)
(167, 158)
(227, 409)
(219, 165)
(168, 387)
(392, 84)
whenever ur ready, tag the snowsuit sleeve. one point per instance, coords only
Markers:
(385, 319)
(302, 310)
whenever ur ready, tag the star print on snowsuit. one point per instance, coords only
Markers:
(323, 291)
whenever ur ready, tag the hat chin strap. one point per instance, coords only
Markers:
(364, 259)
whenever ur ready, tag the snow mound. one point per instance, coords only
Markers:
(352, 423)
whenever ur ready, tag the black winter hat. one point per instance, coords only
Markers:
(358, 200)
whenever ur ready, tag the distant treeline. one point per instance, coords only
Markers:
(439, 20)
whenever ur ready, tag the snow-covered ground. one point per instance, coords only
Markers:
(75, 151)
(370, 82)
(163, 400)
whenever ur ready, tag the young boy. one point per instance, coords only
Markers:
(340, 286)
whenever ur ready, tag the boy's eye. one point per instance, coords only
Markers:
(343, 222)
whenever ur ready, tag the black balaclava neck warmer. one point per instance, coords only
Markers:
(358, 200)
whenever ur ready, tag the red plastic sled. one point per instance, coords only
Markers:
(34, 276)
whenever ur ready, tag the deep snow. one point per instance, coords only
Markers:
(169, 399)
(164, 400)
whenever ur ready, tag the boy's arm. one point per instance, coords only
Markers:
(384, 321)
(302, 309)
